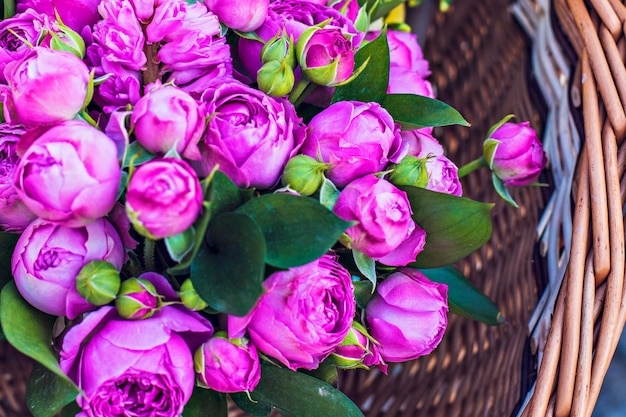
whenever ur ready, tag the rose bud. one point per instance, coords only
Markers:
(167, 118)
(45, 87)
(98, 282)
(275, 78)
(190, 297)
(164, 198)
(410, 171)
(514, 154)
(304, 174)
(408, 315)
(137, 299)
(358, 350)
(326, 56)
(227, 365)
(70, 175)
(242, 15)
(48, 258)
(279, 48)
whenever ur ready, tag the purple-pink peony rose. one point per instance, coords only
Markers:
(519, 157)
(164, 197)
(48, 258)
(404, 81)
(355, 138)
(70, 175)
(14, 215)
(384, 229)
(408, 315)
(249, 134)
(134, 368)
(227, 365)
(74, 13)
(44, 88)
(304, 314)
(243, 15)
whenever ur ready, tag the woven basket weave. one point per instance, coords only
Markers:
(555, 266)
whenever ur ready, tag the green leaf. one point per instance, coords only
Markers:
(413, 111)
(326, 372)
(137, 155)
(502, 191)
(381, 8)
(297, 230)
(463, 297)
(71, 410)
(47, 393)
(7, 244)
(300, 395)
(328, 194)
(371, 84)
(28, 329)
(363, 292)
(206, 403)
(228, 272)
(180, 245)
(366, 265)
(9, 8)
(255, 409)
(455, 226)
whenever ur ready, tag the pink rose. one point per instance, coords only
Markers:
(405, 52)
(48, 258)
(404, 81)
(164, 197)
(355, 138)
(70, 175)
(384, 229)
(138, 368)
(407, 316)
(39, 87)
(304, 314)
(325, 56)
(519, 157)
(243, 15)
(74, 13)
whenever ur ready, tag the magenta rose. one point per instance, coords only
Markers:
(384, 229)
(519, 157)
(39, 87)
(404, 81)
(70, 175)
(355, 138)
(408, 315)
(14, 215)
(405, 52)
(228, 365)
(48, 258)
(303, 315)
(249, 135)
(325, 56)
(164, 198)
(166, 119)
(74, 13)
(243, 15)
(134, 368)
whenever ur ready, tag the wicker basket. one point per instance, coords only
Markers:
(557, 276)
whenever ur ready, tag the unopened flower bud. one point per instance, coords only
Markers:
(358, 350)
(279, 48)
(137, 299)
(190, 297)
(98, 282)
(304, 174)
(275, 78)
(410, 171)
(325, 56)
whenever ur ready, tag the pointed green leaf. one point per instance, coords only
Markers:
(413, 111)
(47, 393)
(502, 191)
(297, 229)
(455, 226)
(178, 246)
(381, 8)
(363, 292)
(206, 403)
(255, 409)
(300, 395)
(71, 410)
(228, 271)
(137, 155)
(28, 329)
(7, 244)
(366, 265)
(371, 84)
(328, 194)
(463, 297)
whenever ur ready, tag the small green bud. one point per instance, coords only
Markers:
(279, 48)
(304, 174)
(190, 297)
(67, 39)
(410, 171)
(275, 78)
(137, 299)
(98, 282)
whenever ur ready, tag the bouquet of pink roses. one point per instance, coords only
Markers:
(202, 199)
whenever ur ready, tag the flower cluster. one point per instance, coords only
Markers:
(197, 193)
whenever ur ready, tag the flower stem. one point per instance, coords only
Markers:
(148, 254)
(151, 73)
(300, 91)
(472, 166)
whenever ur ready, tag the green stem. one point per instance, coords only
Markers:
(472, 166)
(86, 117)
(148, 254)
(300, 91)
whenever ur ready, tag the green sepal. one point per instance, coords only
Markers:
(489, 150)
(180, 245)
(366, 265)
(502, 191)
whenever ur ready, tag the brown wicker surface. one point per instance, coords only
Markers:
(14, 371)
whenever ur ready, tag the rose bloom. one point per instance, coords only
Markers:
(14, 215)
(39, 86)
(519, 158)
(74, 13)
(356, 138)
(134, 367)
(164, 198)
(325, 56)
(48, 258)
(249, 135)
(243, 15)
(384, 229)
(303, 315)
(408, 315)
